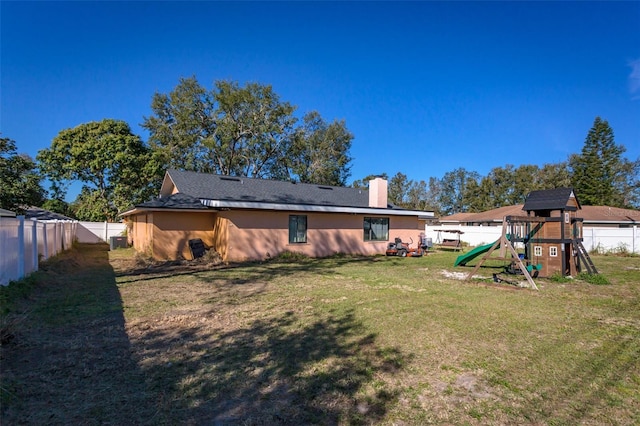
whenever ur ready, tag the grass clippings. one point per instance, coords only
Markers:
(103, 337)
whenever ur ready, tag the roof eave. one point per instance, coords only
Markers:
(312, 208)
(162, 209)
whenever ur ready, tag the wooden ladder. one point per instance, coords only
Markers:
(584, 258)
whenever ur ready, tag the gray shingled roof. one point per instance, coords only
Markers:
(174, 201)
(7, 213)
(37, 213)
(228, 188)
(548, 199)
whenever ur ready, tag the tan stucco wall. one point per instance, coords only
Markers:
(141, 232)
(221, 235)
(256, 235)
(240, 235)
(172, 232)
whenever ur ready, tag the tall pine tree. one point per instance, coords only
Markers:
(599, 169)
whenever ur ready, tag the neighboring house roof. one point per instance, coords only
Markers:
(606, 214)
(589, 214)
(495, 215)
(549, 199)
(37, 213)
(219, 191)
(7, 213)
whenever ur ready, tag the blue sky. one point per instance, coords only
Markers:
(425, 87)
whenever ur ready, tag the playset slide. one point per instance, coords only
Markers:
(464, 258)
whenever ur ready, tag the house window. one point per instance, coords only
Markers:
(566, 218)
(376, 228)
(537, 251)
(553, 251)
(297, 229)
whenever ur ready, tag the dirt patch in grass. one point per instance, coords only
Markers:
(127, 262)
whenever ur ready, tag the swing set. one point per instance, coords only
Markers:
(551, 235)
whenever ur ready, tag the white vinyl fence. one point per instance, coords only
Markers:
(601, 239)
(612, 240)
(98, 232)
(24, 243)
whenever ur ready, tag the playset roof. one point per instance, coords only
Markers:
(550, 199)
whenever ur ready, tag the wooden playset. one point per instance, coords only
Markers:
(550, 235)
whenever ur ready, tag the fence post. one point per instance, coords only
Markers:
(106, 231)
(56, 238)
(21, 257)
(45, 242)
(34, 241)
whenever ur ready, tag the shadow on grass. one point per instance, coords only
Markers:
(70, 360)
(279, 370)
(240, 276)
(288, 368)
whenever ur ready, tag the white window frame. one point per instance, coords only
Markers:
(553, 251)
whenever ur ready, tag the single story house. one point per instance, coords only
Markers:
(254, 219)
(600, 216)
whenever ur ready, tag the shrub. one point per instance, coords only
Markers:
(622, 249)
(595, 279)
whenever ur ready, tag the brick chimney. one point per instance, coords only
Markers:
(378, 193)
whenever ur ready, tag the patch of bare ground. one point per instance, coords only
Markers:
(139, 264)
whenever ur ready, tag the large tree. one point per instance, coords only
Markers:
(19, 180)
(182, 121)
(245, 131)
(453, 197)
(398, 189)
(254, 131)
(599, 172)
(113, 164)
(554, 175)
(434, 189)
(320, 151)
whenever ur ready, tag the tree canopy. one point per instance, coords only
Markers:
(113, 164)
(245, 131)
(320, 151)
(19, 180)
(453, 196)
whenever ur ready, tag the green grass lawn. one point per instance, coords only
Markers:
(95, 338)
